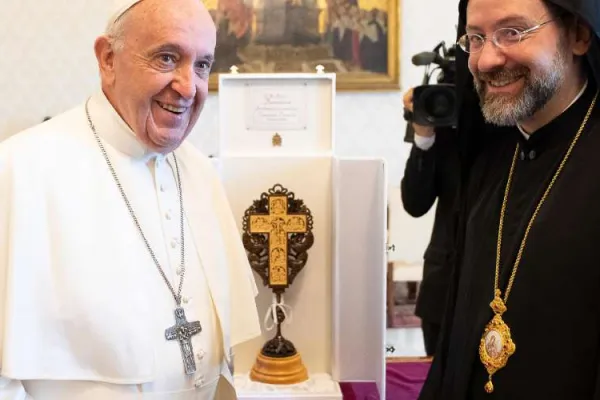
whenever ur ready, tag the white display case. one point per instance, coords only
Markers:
(338, 299)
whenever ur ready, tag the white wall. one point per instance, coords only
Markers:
(47, 66)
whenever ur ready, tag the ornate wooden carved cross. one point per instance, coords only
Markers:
(277, 224)
(277, 235)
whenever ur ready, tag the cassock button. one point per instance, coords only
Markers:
(168, 215)
(179, 270)
(532, 154)
(522, 155)
(162, 188)
(185, 300)
(200, 355)
(173, 243)
(199, 382)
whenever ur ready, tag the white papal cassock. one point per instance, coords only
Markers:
(83, 308)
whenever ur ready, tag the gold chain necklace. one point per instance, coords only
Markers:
(496, 344)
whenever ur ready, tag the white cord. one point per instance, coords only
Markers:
(271, 316)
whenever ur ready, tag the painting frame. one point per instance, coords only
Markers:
(353, 82)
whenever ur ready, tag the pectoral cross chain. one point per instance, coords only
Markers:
(183, 331)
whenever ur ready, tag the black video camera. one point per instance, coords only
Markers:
(435, 104)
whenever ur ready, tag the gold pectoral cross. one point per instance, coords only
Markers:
(278, 224)
(496, 344)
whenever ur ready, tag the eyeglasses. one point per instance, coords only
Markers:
(503, 38)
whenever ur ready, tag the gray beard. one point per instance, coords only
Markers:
(507, 110)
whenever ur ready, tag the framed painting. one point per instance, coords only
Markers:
(356, 39)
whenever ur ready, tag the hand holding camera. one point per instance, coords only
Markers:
(421, 130)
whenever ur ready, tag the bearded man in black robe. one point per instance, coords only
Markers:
(523, 316)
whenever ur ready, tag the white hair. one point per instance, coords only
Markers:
(115, 31)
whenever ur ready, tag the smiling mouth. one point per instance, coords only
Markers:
(173, 109)
(502, 82)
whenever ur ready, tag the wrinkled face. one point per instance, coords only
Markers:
(158, 81)
(516, 82)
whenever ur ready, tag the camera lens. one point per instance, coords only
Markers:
(435, 105)
(439, 104)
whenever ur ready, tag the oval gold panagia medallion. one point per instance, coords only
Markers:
(495, 348)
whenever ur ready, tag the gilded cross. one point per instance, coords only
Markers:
(277, 224)
(183, 331)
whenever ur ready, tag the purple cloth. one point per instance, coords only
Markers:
(403, 382)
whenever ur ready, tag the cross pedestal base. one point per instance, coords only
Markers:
(279, 371)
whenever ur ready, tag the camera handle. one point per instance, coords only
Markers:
(409, 134)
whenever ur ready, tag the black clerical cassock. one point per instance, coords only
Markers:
(554, 306)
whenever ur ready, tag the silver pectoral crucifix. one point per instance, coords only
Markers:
(183, 331)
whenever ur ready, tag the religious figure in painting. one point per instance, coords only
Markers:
(493, 344)
(345, 36)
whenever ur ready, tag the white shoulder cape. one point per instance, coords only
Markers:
(57, 318)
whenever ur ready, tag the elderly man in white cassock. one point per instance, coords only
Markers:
(122, 273)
